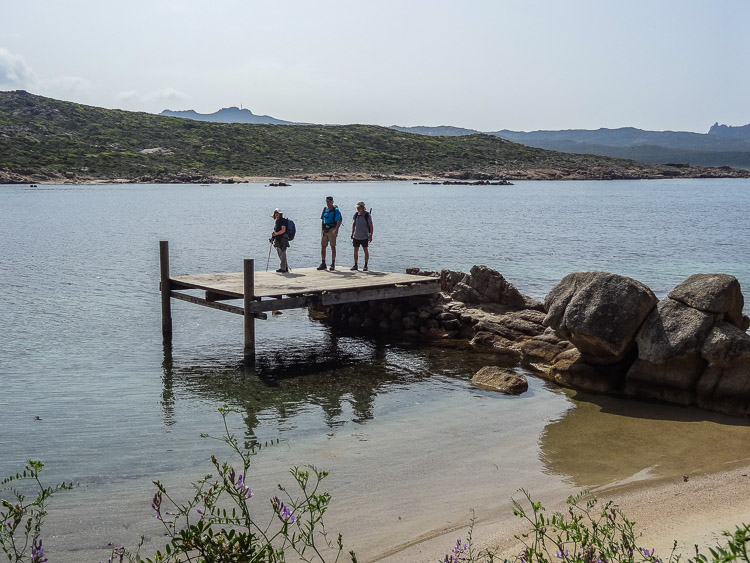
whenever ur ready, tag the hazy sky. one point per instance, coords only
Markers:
(482, 64)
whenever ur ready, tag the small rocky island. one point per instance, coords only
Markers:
(596, 331)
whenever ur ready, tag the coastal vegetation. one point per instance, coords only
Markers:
(218, 525)
(47, 140)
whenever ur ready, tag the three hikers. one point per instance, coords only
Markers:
(330, 219)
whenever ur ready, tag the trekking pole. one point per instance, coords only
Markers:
(270, 246)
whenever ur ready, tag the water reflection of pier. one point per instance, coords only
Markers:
(342, 381)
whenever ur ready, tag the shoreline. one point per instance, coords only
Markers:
(665, 510)
(676, 475)
(638, 171)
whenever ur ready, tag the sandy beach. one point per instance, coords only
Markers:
(690, 512)
(679, 474)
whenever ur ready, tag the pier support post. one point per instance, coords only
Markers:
(249, 297)
(166, 304)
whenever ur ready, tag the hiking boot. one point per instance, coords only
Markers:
(333, 267)
(365, 268)
(282, 271)
(355, 267)
(322, 266)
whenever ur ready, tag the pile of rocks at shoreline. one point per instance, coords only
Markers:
(596, 331)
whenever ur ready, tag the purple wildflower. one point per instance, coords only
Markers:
(456, 553)
(243, 488)
(156, 504)
(37, 551)
(560, 554)
(282, 511)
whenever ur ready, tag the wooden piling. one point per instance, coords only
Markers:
(165, 286)
(249, 299)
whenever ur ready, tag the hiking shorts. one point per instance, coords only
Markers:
(328, 237)
(357, 242)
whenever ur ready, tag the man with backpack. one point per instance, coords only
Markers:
(280, 239)
(330, 221)
(361, 233)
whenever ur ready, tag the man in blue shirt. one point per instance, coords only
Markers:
(330, 221)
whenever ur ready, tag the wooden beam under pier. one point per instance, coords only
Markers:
(214, 305)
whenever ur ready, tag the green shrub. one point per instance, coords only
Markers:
(21, 518)
(589, 533)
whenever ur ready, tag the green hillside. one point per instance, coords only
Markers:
(41, 137)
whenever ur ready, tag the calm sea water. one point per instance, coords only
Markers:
(81, 342)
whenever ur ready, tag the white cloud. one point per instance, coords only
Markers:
(156, 100)
(67, 86)
(14, 72)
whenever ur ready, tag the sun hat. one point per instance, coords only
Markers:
(275, 211)
(360, 204)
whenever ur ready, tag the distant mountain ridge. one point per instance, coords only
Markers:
(228, 115)
(742, 131)
(632, 137)
(723, 145)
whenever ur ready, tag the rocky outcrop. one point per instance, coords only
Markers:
(669, 359)
(505, 381)
(483, 285)
(724, 385)
(596, 331)
(712, 293)
(610, 335)
(481, 306)
(599, 313)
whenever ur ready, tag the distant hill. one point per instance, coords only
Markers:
(42, 139)
(722, 146)
(631, 137)
(227, 115)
